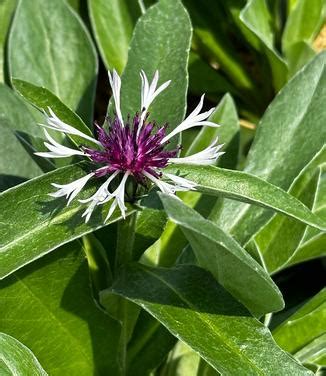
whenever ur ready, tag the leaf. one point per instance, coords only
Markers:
(15, 164)
(166, 249)
(189, 302)
(48, 306)
(148, 346)
(281, 148)
(161, 41)
(43, 98)
(211, 39)
(17, 359)
(230, 264)
(52, 38)
(279, 239)
(314, 353)
(245, 187)
(305, 325)
(33, 224)
(7, 8)
(298, 55)
(113, 23)
(256, 17)
(303, 23)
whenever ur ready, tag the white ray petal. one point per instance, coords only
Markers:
(168, 188)
(195, 119)
(53, 122)
(149, 92)
(72, 189)
(57, 150)
(119, 198)
(115, 82)
(181, 182)
(207, 156)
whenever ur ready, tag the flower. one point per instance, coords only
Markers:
(128, 149)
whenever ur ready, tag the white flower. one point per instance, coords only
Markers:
(129, 152)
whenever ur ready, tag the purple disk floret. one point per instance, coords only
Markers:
(130, 148)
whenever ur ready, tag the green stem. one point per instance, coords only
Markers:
(125, 241)
(124, 254)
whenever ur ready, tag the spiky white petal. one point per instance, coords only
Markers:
(207, 156)
(119, 198)
(53, 122)
(72, 189)
(193, 120)
(57, 150)
(182, 183)
(98, 197)
(149, 92)
(115, 82)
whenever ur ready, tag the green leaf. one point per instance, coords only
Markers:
(15, 164)
(166, 249)
(279, 239)
(64, 58)
(295, 116)
(245, 187)
(148, 346)
(190, 303)
(230, 264)
(256, 17)
(17, 359)
(303, 23)
(182, 360)
(298, 55)
(43, 98)
(32, 223)
(305, 325)
(48, 307)
(7, 8)
(161, 40)
(314, 353)
(113, 23)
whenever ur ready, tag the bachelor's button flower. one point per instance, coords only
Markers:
(129, 150)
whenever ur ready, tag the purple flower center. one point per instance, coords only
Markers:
(128, 148)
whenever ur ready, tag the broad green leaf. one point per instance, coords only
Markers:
(17, 359)
(44, 99)
(32, 223)
(148, 346)
(256, 17)
(15, 164)
(161, 41)
(7, 8)
(48, 307)
(279, 239)
(182, 360)
(281, 150)
(245, 187)
(298, 55)
(166, 249)
(230, 264)
(313, 353)
(193, 307)
(113, 23)
(305, 325)
(211, 40)
(303, 23)
(61, 57)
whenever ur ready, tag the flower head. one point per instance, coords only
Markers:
(128, 149)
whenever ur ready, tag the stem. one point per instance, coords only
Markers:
(125, 241)
(124, 254)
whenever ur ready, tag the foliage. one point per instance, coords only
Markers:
(190, 285)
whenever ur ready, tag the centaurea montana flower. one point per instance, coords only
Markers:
(129, 150)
